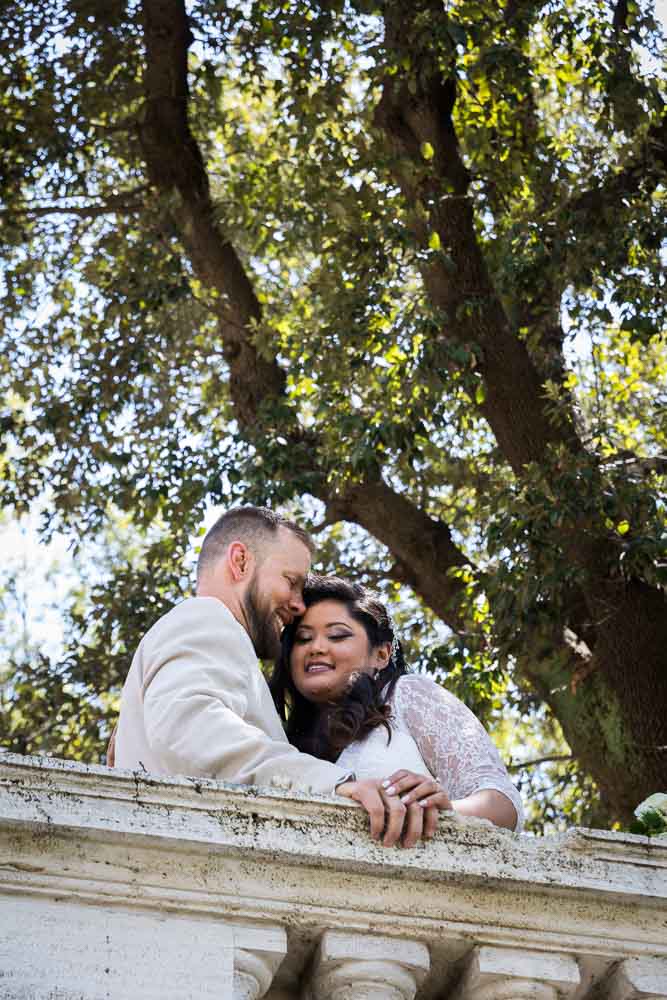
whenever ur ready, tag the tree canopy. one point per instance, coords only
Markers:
(395, 265)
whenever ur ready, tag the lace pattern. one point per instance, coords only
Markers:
(450, 740)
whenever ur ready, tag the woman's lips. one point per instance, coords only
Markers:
(318, 668)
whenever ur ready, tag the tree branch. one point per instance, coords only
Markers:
(176, 169)
(536, 304)
(620, 16)
(593, 210)
(423, 547)
(540, 760)
(113, 205)
(586, 212)
(415, 113)
(426, 557)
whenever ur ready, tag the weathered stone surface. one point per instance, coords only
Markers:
(639, 979)
(350, 966)
(52, 946)
(157, 881)
(517, 974)
(258, 951)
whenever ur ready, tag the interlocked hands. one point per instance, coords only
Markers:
(403, 808)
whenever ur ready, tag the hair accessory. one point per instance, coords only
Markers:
(395, 641)
(395, 646)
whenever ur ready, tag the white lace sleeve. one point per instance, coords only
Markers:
(455, 746)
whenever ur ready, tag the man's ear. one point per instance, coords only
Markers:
(382, 655)
(239, 560)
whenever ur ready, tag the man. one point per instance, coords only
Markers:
(195, 701)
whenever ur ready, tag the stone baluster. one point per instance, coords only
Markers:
(495, 973)
(351, 966)
(639, 979)
(258, 951)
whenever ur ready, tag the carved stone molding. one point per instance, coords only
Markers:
(517, 974)
(258, 951)
(351, 966)
(639, 979)
(123, 885)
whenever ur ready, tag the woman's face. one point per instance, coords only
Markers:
(330, 646)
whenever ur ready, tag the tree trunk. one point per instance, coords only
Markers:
(612, 704)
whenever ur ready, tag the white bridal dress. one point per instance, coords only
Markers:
(432, 733)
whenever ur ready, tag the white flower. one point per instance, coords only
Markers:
(657, 802)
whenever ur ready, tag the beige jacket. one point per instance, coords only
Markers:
(195, 702)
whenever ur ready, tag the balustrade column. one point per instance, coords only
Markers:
(516, 974)
(639, 979)
(353, 966)
(258, 951)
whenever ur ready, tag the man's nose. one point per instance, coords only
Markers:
(296, 606)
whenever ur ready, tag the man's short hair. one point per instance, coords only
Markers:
(254, 526)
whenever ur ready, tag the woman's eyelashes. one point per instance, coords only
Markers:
(301, 640)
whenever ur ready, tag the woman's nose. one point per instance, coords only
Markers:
(318, 644)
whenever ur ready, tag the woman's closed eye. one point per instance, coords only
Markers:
(300, 640)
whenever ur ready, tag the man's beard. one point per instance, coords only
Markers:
(262, 624)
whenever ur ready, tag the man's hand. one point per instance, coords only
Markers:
(387, 812)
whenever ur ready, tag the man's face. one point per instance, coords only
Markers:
(274, 594)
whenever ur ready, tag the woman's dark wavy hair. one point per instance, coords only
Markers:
(365, 704)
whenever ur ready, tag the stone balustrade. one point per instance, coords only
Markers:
(126, 887)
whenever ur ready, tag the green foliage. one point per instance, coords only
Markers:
(116, 405)
(651, 816)
(651, 824)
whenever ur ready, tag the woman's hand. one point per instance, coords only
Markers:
(387, 814)
(426, 792)
(391, 819)
(418, 790)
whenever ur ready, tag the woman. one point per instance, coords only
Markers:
(342, 688)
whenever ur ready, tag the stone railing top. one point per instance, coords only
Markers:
(250, 886)
(283, 822)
